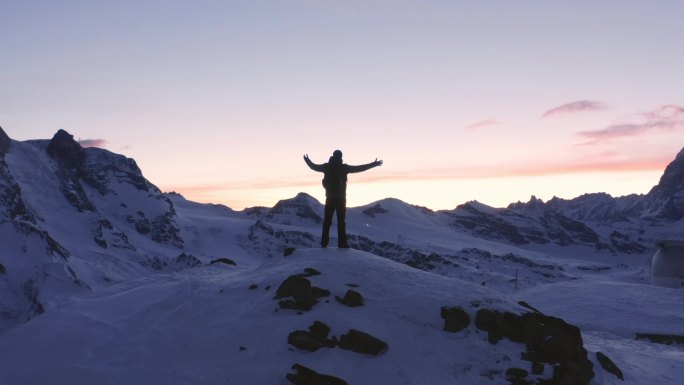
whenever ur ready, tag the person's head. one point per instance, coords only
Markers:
(336, 157)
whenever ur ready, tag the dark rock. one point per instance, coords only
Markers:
(516, 372)
(100, 242)
(306, 376)
(609, 366)
(313, 339)
(517, 376)
(528, 306)
(5, 142)
(187, 260)
(547, 339)
(319, 330)
(352, 298)
(377, 209)
(299, 288)
(227, 261)
(320, 293)
(311, 271)
(2, 269)
(363, 343)
(537, 368)
(455, 319)
(666, 339)
(304, 340)
(253, 286)
(242, 348)
(65, 150)
(288, 251)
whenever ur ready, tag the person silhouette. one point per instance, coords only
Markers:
(335, 183)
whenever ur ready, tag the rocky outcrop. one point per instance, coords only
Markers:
(5, 143)
(547, 340)
(455, 318)
(352, 298)
(306, 376)
(299, 290)
(313, 339)
(609, 366)
(375, 210)
(363, 343)
(666, 199)
(65, 150)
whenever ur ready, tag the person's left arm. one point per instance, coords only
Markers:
(364, 167)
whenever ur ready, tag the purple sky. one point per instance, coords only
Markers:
(489, 100)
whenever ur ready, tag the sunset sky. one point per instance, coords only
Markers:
(492, 101)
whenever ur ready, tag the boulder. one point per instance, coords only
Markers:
(299, 288)
(313, 339)
(306, 376)
(455, 319)
(352, 298)
(363, 343)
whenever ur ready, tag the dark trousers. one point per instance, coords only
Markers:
(333, 205)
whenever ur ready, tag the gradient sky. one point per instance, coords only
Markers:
(492, 101)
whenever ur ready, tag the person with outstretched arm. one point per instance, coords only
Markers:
(335, 183)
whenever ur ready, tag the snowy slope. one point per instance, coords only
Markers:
(189, 327)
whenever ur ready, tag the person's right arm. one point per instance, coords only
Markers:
(312, 165)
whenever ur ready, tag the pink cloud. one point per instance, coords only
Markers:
(662, 119)
(483, 123)
(575, 107)
(92, 142)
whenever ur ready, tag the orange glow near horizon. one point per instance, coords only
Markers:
(445, 189)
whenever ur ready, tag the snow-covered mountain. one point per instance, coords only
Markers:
(105, 279)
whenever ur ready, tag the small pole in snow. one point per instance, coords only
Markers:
(516, 279)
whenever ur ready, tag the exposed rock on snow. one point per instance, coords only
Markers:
(609, 366)
(299, 288)
(547, 339)
(306, 376)
(352, 298)
(313, 339)
(363, 343)
(455, 318)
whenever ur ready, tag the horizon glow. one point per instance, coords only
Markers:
(491, 101)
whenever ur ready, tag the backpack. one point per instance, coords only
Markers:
(334, 180)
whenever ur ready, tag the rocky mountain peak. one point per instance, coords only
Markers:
(666, 199)
(4, 142)
(65, 149)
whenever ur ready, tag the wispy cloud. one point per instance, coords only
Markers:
(92, 142)
(484, 123)
(575, 107)
(662, 119)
